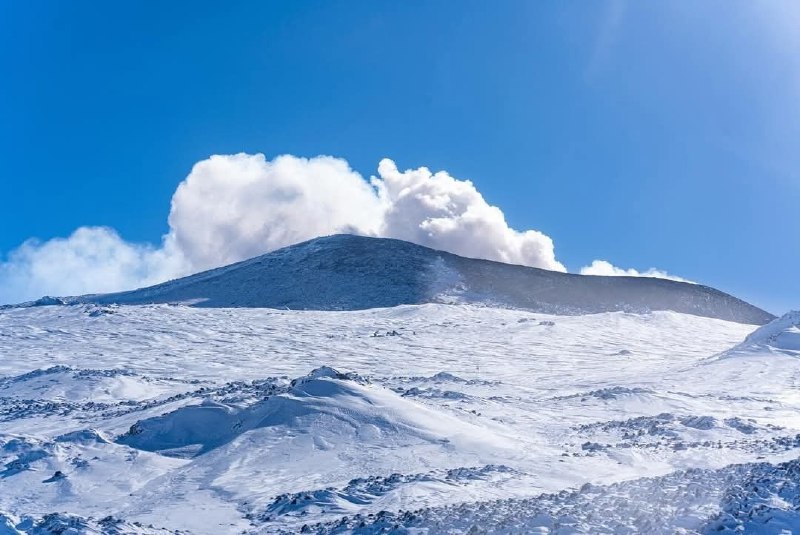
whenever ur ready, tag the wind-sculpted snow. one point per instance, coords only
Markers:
(414, 419)
(342, 406)
(780, 335)
(66, 524)
(346, 272)
(365, 491)
(750, 498)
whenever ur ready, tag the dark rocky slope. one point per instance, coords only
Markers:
(346, 272)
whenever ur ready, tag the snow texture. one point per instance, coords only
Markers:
(423, 419)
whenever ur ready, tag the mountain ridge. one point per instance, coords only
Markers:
(349, 272)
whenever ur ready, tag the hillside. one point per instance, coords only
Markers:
(346, 272)
(164, 419)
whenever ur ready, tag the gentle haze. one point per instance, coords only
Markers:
(144, 141)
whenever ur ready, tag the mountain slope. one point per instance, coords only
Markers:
(346, 272)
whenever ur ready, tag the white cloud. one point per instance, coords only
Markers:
(607, 269)
(443, 212)
(233, 207)
(91, 260)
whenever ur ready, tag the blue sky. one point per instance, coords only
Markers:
(646, 134)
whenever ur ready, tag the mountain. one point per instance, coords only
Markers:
(346, 272)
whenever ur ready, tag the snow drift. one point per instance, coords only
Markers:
(339, 408)
(781, 335)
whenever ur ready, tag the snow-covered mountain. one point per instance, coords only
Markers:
(444, 397)
(412, 419)
(346, 272)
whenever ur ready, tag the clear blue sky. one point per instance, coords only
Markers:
(647, 133)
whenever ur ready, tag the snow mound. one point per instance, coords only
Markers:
(338, 407)
(84, 435)
(326, 372)
(186, 431)
(18, 453)
(781, 336)
(346, 272)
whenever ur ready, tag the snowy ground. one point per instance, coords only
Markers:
(413, 419)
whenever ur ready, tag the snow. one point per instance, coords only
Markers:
(782, 335)
(416, 418)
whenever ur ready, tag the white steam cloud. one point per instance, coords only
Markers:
(607, 269)
(91, 260)
(233, 207)
(445, 213)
